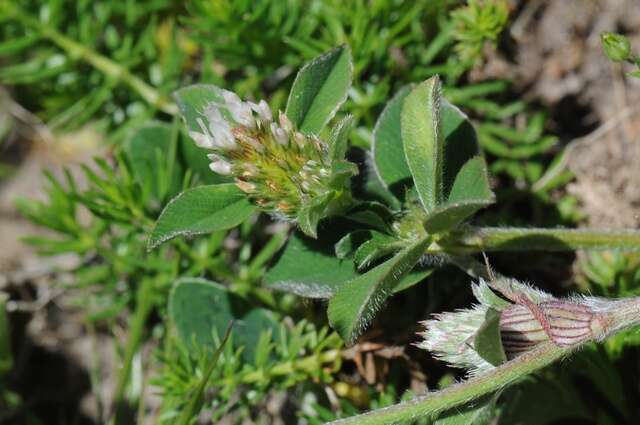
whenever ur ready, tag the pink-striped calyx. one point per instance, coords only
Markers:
(527, 317)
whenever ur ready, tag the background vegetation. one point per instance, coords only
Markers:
(81, 79)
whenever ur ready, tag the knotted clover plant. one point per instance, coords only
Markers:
(368, 230)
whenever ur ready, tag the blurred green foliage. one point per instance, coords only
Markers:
(114, 65)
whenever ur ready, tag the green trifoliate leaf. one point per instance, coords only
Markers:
(319, 90)
(354, 305)
(390, 162)
(202, 209)
(423, 141)
(488, 342)
(459, 183)
(465, 182)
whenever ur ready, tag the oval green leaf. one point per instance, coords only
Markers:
(202, 209)
(423, 141)
(320, 88)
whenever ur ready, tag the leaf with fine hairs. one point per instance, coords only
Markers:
(320, 88)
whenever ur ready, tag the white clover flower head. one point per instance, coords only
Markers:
(278, 167)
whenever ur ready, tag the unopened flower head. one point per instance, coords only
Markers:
(280, 168)
(528, 317)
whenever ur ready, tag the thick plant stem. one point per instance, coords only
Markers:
(434, 403)
(477, 239)
(103, 64)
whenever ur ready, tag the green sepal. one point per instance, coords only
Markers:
(488, 342)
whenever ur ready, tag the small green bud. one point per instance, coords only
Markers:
(616, 46)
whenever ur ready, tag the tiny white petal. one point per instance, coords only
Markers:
(300, 139)
(241, 113)
(219, 128)
(279, 134)
(230, 97)
(213, 114)
(245, 186)
(224, 140)
(202, 140)
(285, 123)
(221, 167)
(263, 111)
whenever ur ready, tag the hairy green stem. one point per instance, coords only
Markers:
(434, 403)
(477, 239)
(105, 65)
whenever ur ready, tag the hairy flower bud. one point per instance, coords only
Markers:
(528, 317)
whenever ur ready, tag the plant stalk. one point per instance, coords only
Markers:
(436, 402)
(484, 239)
